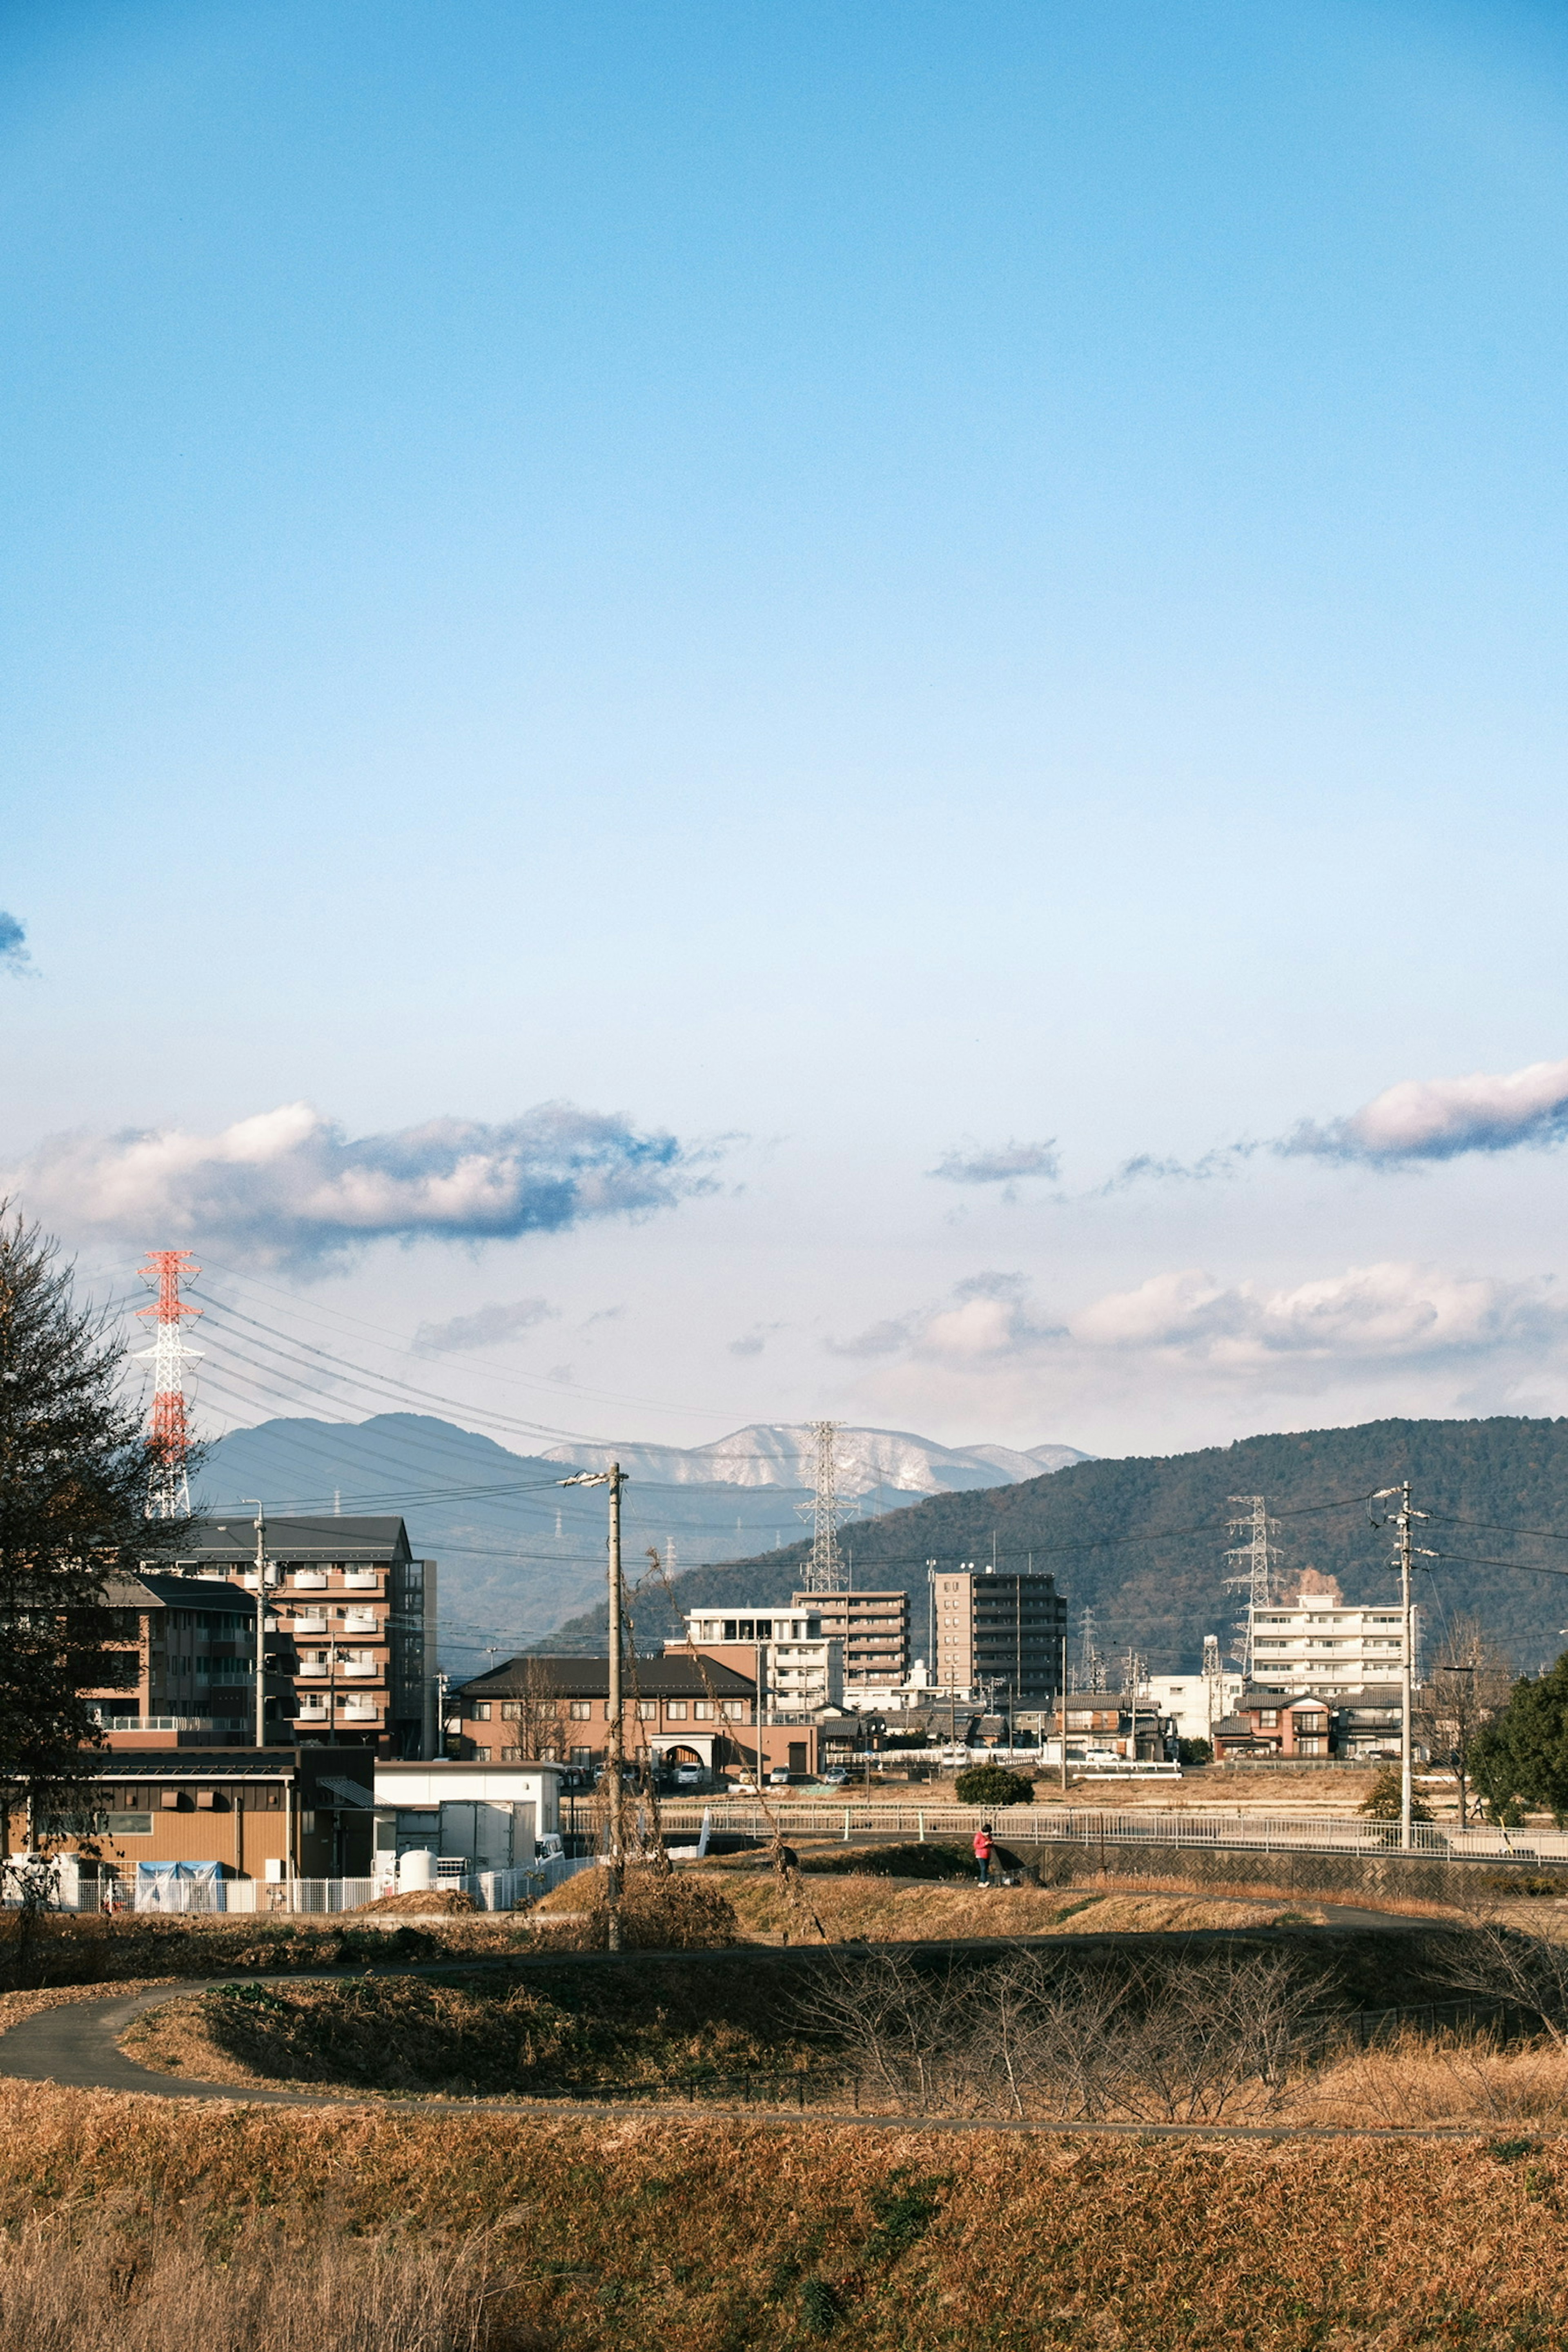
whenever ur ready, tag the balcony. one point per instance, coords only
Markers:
(309, 1579)
(311, 1624)
(358, 1710)
(361, 1621)
(362, 1579)
(365, 1669)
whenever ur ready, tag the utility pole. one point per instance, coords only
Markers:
(261, 1621)
(1062, 1713)
(1403, 1521)
(614, 1479)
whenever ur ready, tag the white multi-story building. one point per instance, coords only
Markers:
(797, 1668)
(1316, 1644)
(1194, 1703)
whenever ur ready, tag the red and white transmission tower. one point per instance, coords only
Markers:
(168, 1488)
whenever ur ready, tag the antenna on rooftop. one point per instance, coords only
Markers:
(168, 1486)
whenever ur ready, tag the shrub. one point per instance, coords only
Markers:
(1382, 1801)
(678, 1911)
(1195, 1751)
(992, 1784)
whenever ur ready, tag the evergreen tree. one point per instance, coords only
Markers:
(1521, 1759)
(74, 1471)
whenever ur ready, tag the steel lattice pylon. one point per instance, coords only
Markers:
(1261, 1554)
(168, 1486)
(825, 1571)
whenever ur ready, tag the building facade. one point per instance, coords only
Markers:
(998, 1631)
(267, 1813)
(1316, 1644)
(181, 1657)
(872, 1630)
(1271, 1724)
(789, 1654)
(676, 1711)
(489, 1816)
(350, 1627)
(1195, 1703)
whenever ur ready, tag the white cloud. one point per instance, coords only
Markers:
(987, 1316)
(1436, 1119)
(1388, 1312)
(1004, 1164)
(288, 1187)
(488, 1327)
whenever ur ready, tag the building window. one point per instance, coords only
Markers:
(482, 1711)
(1267, 1718)
(735, 1710)
(482, 1755)
(648, 1710)
(582, 1710)
(676, 1710)
(582, 1756)
(507, 1755)
(704, 1710)
(510, 1710)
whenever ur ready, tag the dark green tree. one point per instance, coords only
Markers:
(74, 1471)
(1520, 1758)
(1384, 1800)
(992, 1784)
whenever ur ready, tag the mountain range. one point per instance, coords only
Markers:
(1141, 1543)
(517, 1552)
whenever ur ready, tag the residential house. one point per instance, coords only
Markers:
(676, 1710)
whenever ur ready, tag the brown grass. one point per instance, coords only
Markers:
(92, 1949)
(64, 2288)
(876, 1909)
(708, 2237)
(421, 1902)
(673, 1911)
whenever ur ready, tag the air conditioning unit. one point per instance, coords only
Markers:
(274, 1869)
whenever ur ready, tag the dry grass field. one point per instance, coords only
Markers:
(875, 1909)
(255, 2231)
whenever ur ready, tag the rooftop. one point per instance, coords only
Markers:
(554, 1677)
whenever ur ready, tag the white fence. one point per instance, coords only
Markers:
(180, 1889)
(1080, 1825)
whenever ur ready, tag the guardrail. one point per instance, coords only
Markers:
(1084, 1826)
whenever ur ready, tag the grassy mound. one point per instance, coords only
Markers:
(488, 2036)
(423, 1901)
(662, 1911)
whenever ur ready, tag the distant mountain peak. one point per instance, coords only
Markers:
(781, 1454)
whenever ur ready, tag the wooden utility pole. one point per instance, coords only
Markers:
(614, 1762)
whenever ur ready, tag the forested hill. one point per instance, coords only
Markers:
(1142, 1541)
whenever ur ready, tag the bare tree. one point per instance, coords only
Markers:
(74, 1464)
(1471, 1678)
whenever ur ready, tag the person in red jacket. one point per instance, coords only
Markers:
(984, 1850)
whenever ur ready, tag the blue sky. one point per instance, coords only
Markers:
(847, 592)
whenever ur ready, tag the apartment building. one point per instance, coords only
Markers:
(1316, 1644)
(180, 1663)
(997, 1630)
(797, 1664)
(350, 1627)
(674, 1711)
(872, 1630)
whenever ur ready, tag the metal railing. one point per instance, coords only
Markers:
(1082, 1826)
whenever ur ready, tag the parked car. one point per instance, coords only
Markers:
(835, 1777)
(780, 1777)
(686, 1776)
(743, 1788)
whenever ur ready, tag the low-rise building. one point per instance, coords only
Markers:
(1103, 1726)
(1274, 1723)
(676, 1711)
(1194, 1703)
(490, 1816)
(266, 1814)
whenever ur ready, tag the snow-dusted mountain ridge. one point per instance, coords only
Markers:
(781, 1454)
